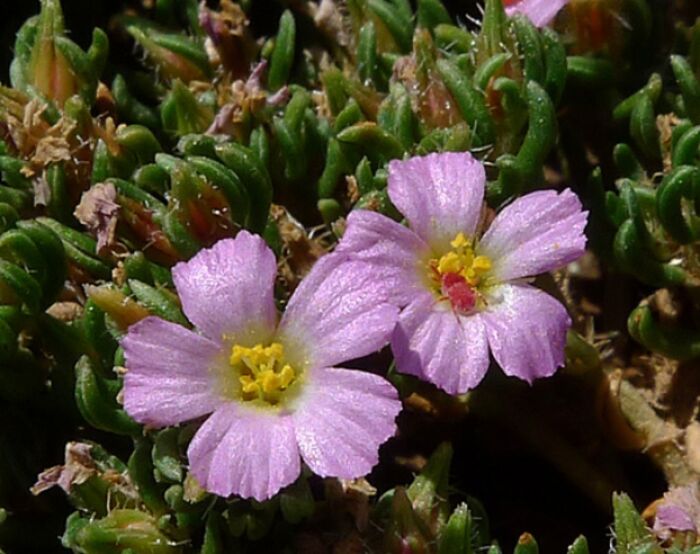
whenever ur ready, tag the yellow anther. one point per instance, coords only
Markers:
(482, 263)
(262, 372)
(271, 382)
(256, 355)
(248, 385)
(286, 376)
(450, 263)
(276, 351)
(237, 354)
(460, 241)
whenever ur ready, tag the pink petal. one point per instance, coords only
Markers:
(539, 232)
(338, 313)
(394, 249)
(245, 451)
(170, 377)
(526, 329)
(675, 518)
(435, 344)
(343, 418)
(679, 511)
(540, 12)
(228, 289)
(440, 195)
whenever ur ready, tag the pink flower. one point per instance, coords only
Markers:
(540, 12)
(679, 511)
(463, 294)
(271, 388)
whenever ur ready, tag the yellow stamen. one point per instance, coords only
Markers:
(286, 376)
(461, 260)
(450, 263)
(262, 372)
(460, 241)
(249, 385)
(271, 382)
(482, 263)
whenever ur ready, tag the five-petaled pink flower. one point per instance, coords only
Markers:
(462, 293)
(271, 388)
(540, 12)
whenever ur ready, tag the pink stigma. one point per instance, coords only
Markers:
(457, 290)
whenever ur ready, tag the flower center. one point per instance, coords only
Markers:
(456, 276)
(262, 372)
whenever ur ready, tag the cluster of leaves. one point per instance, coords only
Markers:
(652, 215)
(104, 188)
(416, 518)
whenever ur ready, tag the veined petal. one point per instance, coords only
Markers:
(338, 312)
(538, 232)
(245, 451)
(440, 195)
(437, 345)
(394, 249)
(170, 377)
(526, 330)
(228, 289)
(540, 12)
(343, 418)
